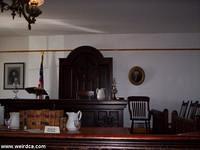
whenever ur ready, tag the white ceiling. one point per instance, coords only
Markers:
(108, 17)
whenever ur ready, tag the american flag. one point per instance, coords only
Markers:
(41, 78)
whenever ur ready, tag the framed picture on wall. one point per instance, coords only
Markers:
(136, 75)
(14, 75)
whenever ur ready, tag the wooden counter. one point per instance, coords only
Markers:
(101, 138)
(104, 113)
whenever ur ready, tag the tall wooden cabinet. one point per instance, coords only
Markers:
(85, 69)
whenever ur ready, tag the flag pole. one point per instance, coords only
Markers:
(41, 74)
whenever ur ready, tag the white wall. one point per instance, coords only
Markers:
(171, 76)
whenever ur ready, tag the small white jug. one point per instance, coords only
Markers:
(100, 94)
(73, 122)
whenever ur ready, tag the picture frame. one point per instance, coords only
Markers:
(136, 75)
(14, 75)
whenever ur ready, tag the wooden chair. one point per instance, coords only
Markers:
(188, 124)
(178, 116)
(139, 110)
(159, 121)
(198, 111)
(192, 110)
(197, 117)
(183, 110)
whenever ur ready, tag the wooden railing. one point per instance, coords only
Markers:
(102, 139)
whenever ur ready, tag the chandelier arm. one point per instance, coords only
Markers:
(27, 15)
(4, 6)
(15, 8)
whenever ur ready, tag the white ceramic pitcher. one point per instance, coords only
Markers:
(14, 120)
(73, 122)
(100, 94)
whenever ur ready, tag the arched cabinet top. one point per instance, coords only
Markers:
(85, 51)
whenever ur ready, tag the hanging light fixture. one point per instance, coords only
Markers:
(28, 8)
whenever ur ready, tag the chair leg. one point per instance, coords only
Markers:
(146, 126)
(132, 126)
(149, 126)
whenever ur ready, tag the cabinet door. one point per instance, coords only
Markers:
(114, 117)
(107, 118)
(102, 118)
(88, 119)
